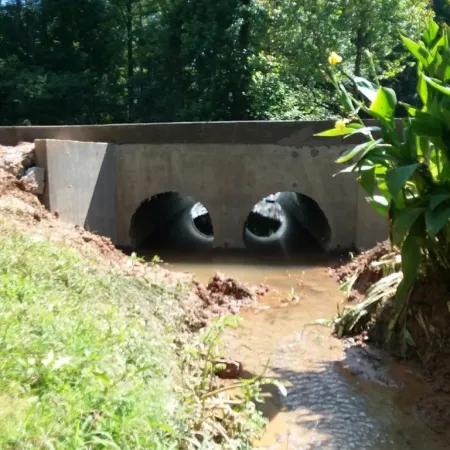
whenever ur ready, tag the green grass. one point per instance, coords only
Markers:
(87, 359)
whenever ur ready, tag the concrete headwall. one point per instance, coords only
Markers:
(227, 166)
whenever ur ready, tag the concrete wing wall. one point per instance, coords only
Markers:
(81, 183)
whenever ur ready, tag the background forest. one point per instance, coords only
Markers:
(105, 61)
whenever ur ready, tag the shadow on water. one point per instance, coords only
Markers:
(329, 407)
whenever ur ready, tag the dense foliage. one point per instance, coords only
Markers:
(103, 61)
(405, 174)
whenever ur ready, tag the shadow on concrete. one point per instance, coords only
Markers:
(101, 216)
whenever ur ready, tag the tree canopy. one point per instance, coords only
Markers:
(103, 61)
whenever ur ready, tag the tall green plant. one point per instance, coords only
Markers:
(404, 166)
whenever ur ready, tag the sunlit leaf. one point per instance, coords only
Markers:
(345, 99)
(437, 84)
(418, 51)
(349, 154)
(336, 132)
(384, 104)
(379, 203)
(422, 89)
(368, 89)
(366, 131)
(431, 32)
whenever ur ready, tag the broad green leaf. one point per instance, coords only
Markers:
(346, 101)
(423, 146)
(437, 84)
(367, 181)
(380, 204)
(384, 104)
(409, 147)
(404, 219)
(348, 169)
(349, 154)
(336, 132)
(437, 199)
(431, 32)
(437, 219)
(396, 178)
(426, 125)
(418, 51)
(411, 110)
(368, 89)
(422, 89)
(411, 259)
(366, 131)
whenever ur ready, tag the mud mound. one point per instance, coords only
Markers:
(363, 270)
(223, 295)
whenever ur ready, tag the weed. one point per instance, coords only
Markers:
(88, 360)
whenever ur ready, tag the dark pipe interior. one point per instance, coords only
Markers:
(261, 225)
(306, 228)
(203, 223)
(164, 222)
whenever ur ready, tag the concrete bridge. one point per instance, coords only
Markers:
(97, 176)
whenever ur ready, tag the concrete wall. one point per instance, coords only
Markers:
(227, 166)
(81, 183)
(230, 180)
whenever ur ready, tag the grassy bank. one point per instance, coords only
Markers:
(90, 359)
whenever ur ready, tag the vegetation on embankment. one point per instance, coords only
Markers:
(407, 179)
(92, 358)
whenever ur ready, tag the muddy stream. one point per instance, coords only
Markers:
(338, 396)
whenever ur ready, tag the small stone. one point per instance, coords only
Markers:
(33, 180)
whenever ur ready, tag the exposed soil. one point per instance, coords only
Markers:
(361, 266)
(22, 211)
(428, 322)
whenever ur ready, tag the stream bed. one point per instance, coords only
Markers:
(339, 396)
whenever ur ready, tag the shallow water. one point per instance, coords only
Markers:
(338, 397)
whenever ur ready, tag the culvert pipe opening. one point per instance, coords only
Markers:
(171, 221)
(287, 224)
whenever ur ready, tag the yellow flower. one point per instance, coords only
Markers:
(340, 125)
(334, 59)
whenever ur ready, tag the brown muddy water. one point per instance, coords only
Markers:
(338, 396)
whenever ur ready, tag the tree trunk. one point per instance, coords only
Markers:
(240, 105)
(359, 48)
(130, 56)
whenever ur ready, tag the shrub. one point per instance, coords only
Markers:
(405, 169)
